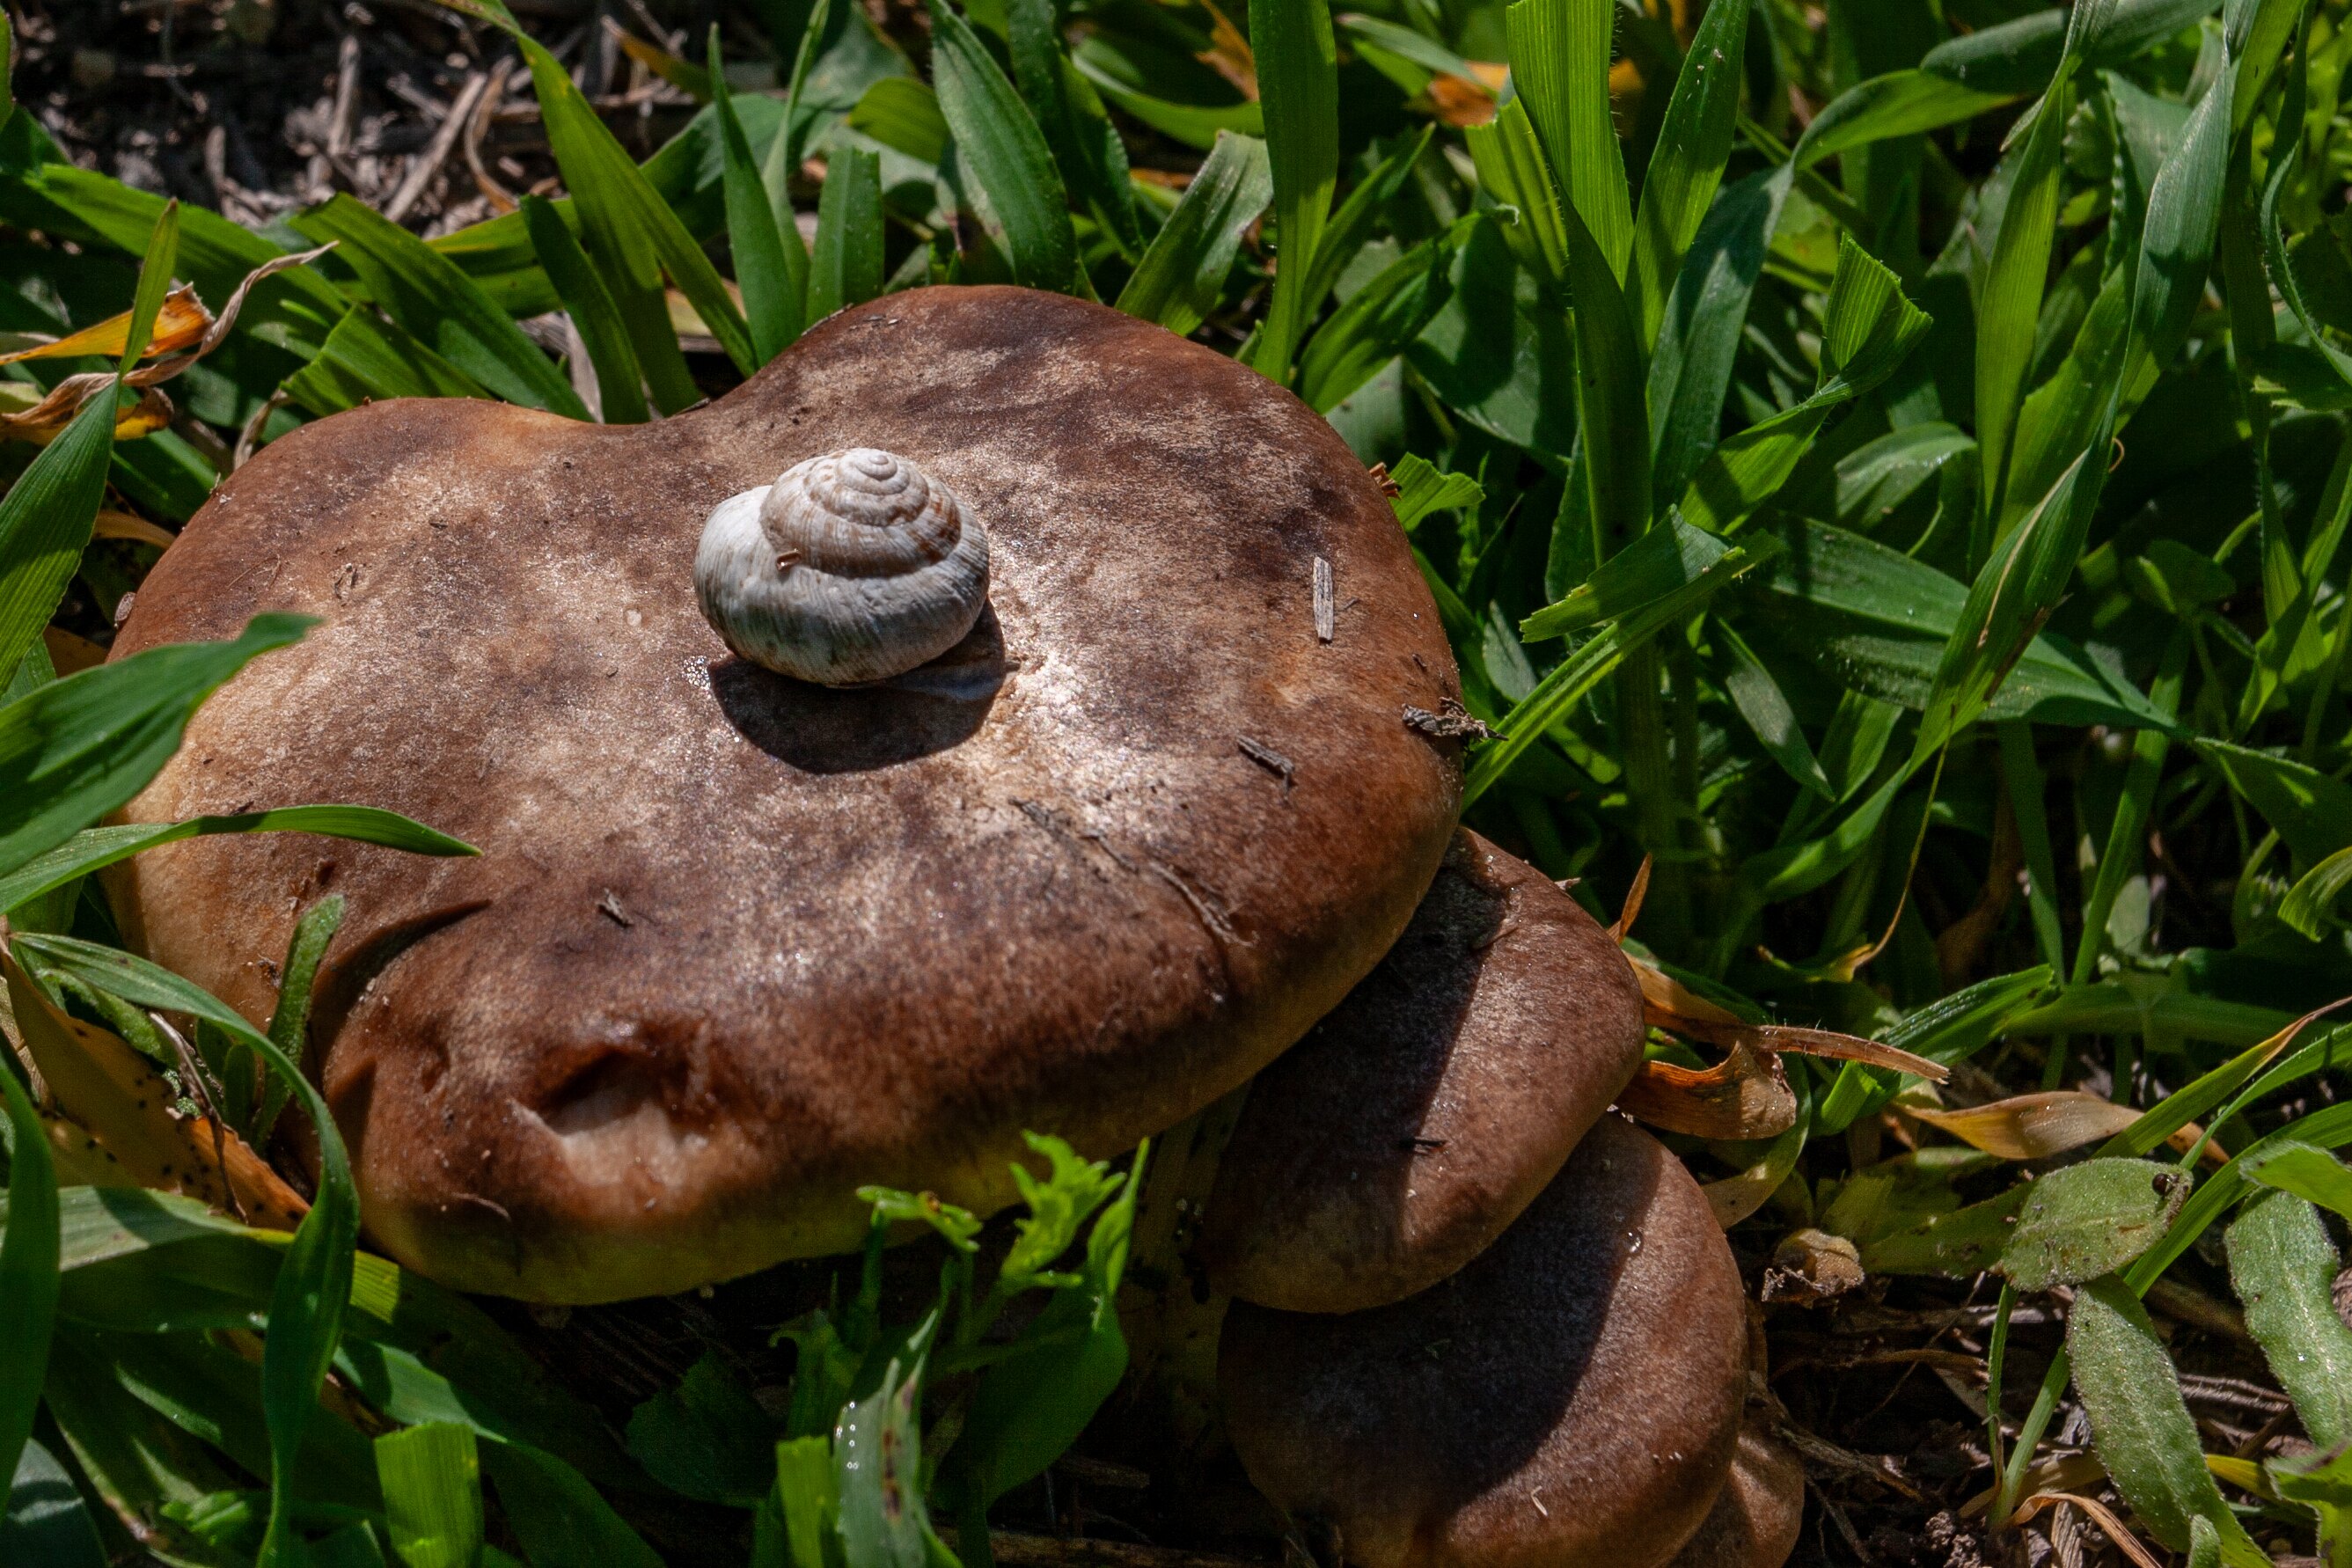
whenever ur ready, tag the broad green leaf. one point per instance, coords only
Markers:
(1961, 1242)
(433, 299)
(1868, 330)
(706, 1438)
(2284, 1269)
(1666, 559)
(877, 1465)
(846, 267)
(46, 1521)
(2084, 1220)
(1422, 489)
(558, 1516)
(1498, 352)
(432, 1485)
(620, 384)
(1560, 63)
(809, 1501)
(2143, 1432)
(94, 847)
(307, 1307)
(2313, 1175)
(633, 235)
(1694, 145)
(1183, 271)
(1298, 90)
(1030, 1407)
(2311, 810)
(772, 296)
(998, 143)
(73, 751)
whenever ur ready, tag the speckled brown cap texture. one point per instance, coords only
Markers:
(1571, 1398)
(1414, 1124)
(1758, 1513)
(736, 945)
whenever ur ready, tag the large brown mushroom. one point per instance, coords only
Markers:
(1414, 1123)
(1572, 1396)
(738, 944)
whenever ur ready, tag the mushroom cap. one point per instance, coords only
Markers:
(1760, 1512)
(1412, 1125)
(1572, 1397)
(737, 944)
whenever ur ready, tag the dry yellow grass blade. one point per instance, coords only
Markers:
(180, 323)
(2036, 1126)
(1668, 1003)
(1744, 1096)
(2100, 1514)
(117, 1099)
(112, 524)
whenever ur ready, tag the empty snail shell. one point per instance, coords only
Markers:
(854, 566)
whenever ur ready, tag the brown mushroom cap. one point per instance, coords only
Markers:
(736, 945)
(1572, 1397)
(1414, 1123)
(1760, 1512)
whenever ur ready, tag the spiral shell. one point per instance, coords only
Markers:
(854, 566)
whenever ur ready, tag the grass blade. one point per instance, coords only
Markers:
(314, 1283)
(997, 139)
(2011, 300)
(1183, 271)
(1559, 60)
(1694, 145)
(98, 847)
(771, 297)
(431, 297)
(846, 269)
(433, 1488)
(620, 383)
(1299, 90)
(73, 751)
(29, 1267)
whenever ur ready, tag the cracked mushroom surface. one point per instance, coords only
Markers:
(1573, 1396)
(737, 944)
(1414, 1123)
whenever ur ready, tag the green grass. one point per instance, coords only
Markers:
(1885, 470)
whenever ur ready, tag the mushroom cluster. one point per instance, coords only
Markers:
(989, 718)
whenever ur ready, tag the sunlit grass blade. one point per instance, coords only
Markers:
(314, 1283)
(98, 847)
(1086, 148)
(290, 1021)
(771, 297)
(1356, 216)
(1000, 146)
(73, 751)
(1697, 337)
(433, 1489)
(2010, 300)
(1560, 59)
(1694, 145)
(847, 267)
(433, 299)
(1298, 87)
(620, 381)
(1183, 271)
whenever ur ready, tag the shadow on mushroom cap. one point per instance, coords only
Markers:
(1572, 1396)
(1424, 1112)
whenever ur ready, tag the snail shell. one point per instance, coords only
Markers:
(854, 566)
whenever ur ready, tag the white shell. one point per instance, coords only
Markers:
(854, 566)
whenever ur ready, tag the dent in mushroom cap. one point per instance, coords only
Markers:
(854, 566)
(1572, 1397)
(1414, 1123)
